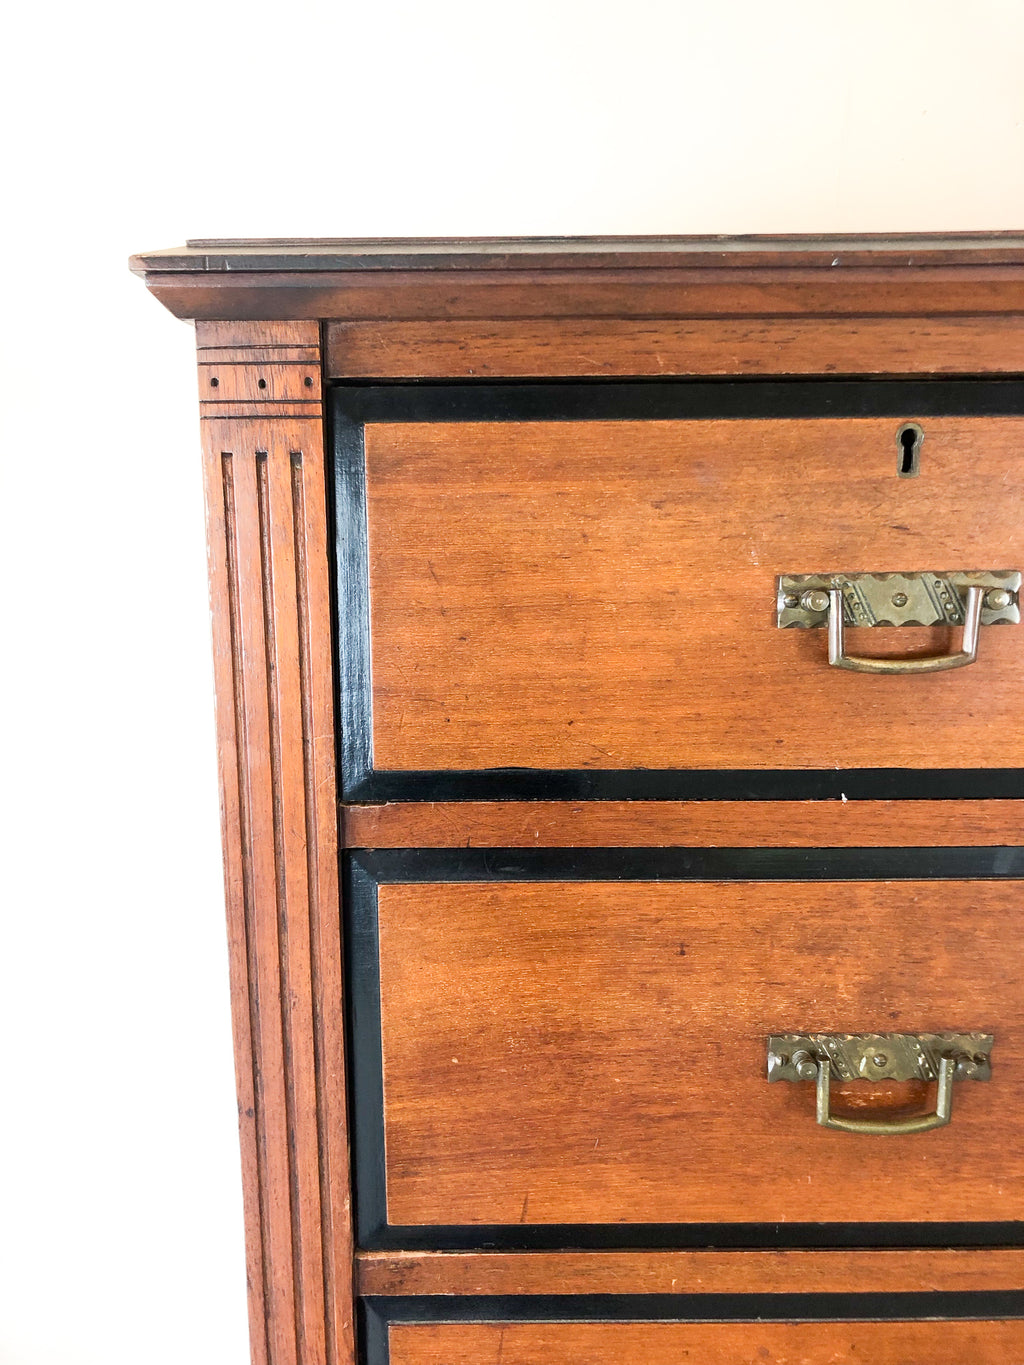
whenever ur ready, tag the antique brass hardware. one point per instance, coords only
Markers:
(940, 1057)
(908, 439)
(961, 598)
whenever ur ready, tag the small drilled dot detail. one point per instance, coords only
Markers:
(214, 383)
(261, 383)
(308, 382)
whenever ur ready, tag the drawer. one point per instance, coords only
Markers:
(577, 1042)
(582, 581)
(709, 1343)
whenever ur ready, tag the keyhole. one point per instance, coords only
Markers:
(908, 439)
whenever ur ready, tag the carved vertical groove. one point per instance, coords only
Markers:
(302, 607)
(271, 598)
(280, 872)
(246, 886)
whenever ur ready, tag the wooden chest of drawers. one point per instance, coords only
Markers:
(529, 561)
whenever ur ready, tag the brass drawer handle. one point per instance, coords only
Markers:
(889, 1127)
(941, 1057)
(969, 599)
(930, 663)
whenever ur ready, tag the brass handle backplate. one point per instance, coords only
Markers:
(969, 600)
(940, 1057)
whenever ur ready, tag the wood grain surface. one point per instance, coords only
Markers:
(690, 346)
(819, 277)
(717, 1343)
(595, 1052)
(602, 594)
(267, 528)
(688, 1272)
(697, 824)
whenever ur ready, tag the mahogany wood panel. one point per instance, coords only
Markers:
(688, 1272)
(698, 346)
(717, 1343)
(602, 594)
(700, 824)
(268, 565)
(595, 1052)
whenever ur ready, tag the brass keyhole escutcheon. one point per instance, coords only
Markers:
(908, 440)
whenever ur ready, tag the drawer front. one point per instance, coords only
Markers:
(593, 1052)
(599, 595)
(710, 1343)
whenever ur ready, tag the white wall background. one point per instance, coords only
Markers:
(129, 128)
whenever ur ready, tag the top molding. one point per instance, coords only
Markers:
(905, 250)
(597, 277)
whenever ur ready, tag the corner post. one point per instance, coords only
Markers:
(263, 444)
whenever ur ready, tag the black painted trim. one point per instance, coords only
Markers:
(377, 1314)
(690, 1236)
(370, 786)
(350, 407)
(977, 1304)
(688, 864)
(352, 603)
(365, 1051)
(363, 872)
(653, 399)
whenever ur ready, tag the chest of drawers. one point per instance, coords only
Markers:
(618, 684)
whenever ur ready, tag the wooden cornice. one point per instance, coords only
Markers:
(590, 277)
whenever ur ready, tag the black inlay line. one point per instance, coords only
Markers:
(378, 1314)
(373, 1347)
(688, 864)
(352, 600)
(364, 784)
(365, 1049)
(852, 1307)
(270, 346)
(382, 1236)
(363, 872)
(667, 399)
(351, 406)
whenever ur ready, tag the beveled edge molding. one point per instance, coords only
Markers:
(824, 251)
(609, 279)
(270, 591)
(657, 293)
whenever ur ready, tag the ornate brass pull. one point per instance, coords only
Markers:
(969, 599)
(941, 1057)
(889, 1127)
(931, 663)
